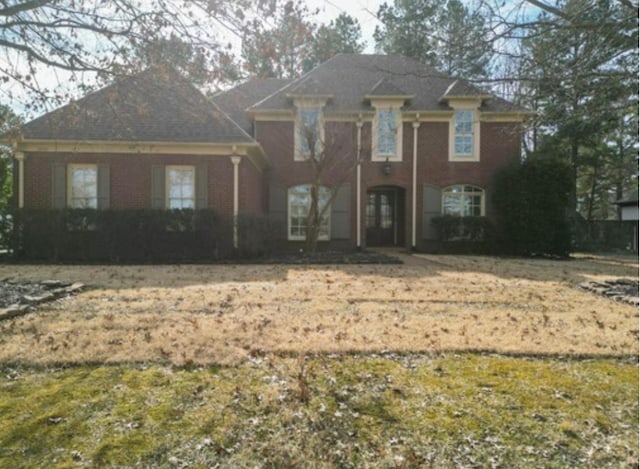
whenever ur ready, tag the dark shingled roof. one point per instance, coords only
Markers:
(463, 88)
(157, 105)
(629, 200)
(349, 78)
(235, 101)
(386, 88)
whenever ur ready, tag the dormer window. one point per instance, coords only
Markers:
(309, 129)
(309, 132)
(387, 135)
(464, 141)
(464, 133)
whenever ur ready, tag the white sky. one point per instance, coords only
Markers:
(364, 10)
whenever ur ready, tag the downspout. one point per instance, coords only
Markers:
(358, 184)
(414, 183)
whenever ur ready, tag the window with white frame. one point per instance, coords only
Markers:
(299, 203)
(464, 133)
(181, 187)
(387, 134)
(463, 201)
(309, 131)
(83, 186)
(464, 138)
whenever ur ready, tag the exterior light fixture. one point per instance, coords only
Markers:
(386, 168)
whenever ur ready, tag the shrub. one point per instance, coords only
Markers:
(451, 228)
(531, 202)
(129, 236)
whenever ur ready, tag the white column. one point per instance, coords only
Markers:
(236, 164)
(358, 187)
(414, 187)
(20, 157)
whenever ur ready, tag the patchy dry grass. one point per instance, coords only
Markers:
(222, 314)
(99, 380)
(451, 410)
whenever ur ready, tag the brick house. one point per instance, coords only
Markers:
(407, 142)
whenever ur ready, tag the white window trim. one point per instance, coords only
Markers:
(70, 168)
(306, 105)
(167, 182)
(475, 153)
(482, 200)
(291, 237)
(386, 106)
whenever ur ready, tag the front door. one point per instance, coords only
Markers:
(381, 217)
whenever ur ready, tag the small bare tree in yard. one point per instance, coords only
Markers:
(331, 157)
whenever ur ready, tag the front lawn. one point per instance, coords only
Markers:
(449, 410)
(445, 361)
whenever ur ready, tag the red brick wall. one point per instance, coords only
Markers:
(131, 179)
(251, 189)
(131, 173)
(499, 146)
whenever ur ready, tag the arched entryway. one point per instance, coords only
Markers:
(384, 216)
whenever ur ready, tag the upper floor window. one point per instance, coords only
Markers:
(308, 133)
(463, 201)
(299, 204)
(83, 186)
(464, 136)
(181, 185)
(387, 135)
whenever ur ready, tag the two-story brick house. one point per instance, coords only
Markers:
(407, 142)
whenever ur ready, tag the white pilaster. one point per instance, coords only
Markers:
(414, 183)
(359, 186)
(235, 160)
(20, 157)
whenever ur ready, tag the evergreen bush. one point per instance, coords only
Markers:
(531, 202)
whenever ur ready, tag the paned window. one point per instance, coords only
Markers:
(463, 201)
(308, 132)
(181, 187)
(463, 139)
(387, 133)
(299, 204)
(83, 186)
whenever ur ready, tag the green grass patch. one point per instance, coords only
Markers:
(450, 410)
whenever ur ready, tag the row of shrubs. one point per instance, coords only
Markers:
(134, 236)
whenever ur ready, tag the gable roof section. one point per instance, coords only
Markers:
(235, 101)
(385, 87)
(350, 77)
(157, 105)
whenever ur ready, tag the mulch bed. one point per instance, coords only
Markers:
(323, 257)
(18, 298)
(621, 289)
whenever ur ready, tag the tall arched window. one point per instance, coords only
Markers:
(299, 201)
(463, 201)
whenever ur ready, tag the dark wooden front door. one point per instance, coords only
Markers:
(381, 217)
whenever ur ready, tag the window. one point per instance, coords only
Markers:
(180, 187)
(299, 202)
(308, 130)
(83, 186)
(387, 135)
(464, 136)
(463, 201)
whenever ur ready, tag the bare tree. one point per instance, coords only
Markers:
(331, 155)
(94, 36)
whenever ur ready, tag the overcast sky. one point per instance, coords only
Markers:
(364, 10)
